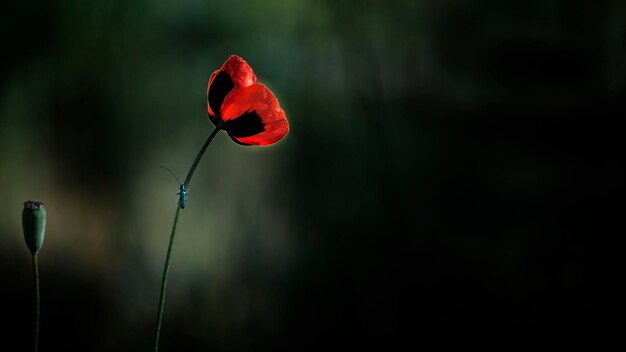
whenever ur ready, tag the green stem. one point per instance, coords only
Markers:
(201, 153)
(166, 268)
(37, 297)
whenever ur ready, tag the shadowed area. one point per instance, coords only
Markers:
(220, 87)
(246, 125)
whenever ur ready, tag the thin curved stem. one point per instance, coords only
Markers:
(166, 268)
(201, 153)
(37, 297)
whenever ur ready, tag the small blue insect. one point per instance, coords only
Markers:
(182, 200)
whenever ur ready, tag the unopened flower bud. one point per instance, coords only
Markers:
(34, 224)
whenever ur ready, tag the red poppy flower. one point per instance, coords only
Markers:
(247, 110)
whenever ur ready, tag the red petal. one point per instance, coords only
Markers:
(211, 113)
(253, 116)
(239, 71)
(234, 74)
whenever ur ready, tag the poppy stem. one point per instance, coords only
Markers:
(37, 297)
(166, 267)
(201, 153)
(166, 270)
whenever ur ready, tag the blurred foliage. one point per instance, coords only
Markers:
(449, 178)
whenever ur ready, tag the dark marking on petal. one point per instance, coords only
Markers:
(246, 125)
(221, 86)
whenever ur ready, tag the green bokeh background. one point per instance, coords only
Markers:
(450, 177)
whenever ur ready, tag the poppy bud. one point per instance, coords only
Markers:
(34, 224)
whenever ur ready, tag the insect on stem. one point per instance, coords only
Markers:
(182, 199)
(166, 266)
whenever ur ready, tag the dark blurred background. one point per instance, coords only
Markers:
(453, 175)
